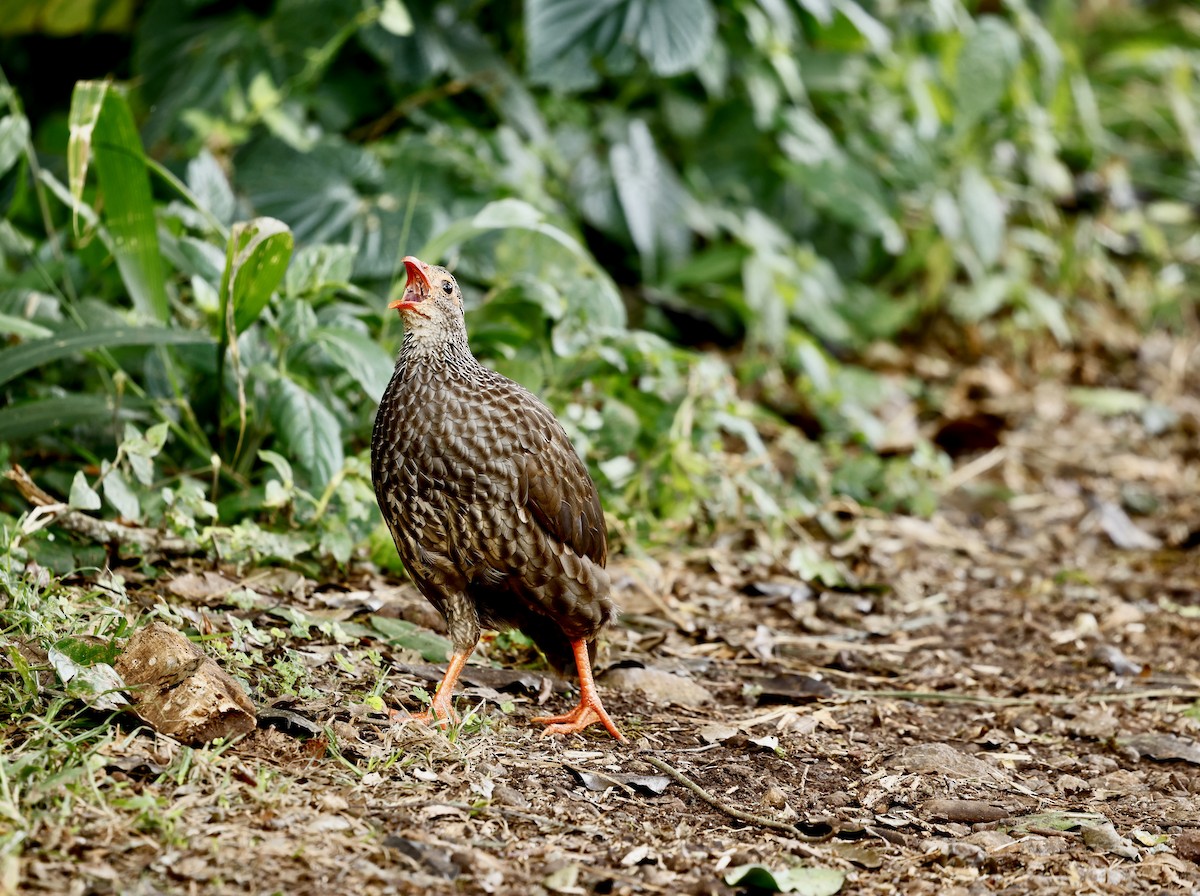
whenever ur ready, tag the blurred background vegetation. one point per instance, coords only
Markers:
(713, 235)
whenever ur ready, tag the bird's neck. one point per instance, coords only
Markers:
(447, 349)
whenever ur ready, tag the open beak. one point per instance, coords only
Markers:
(417, 289)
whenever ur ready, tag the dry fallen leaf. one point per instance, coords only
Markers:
(1164, 747)
(1104, 838)
(657, 686)
(600, 781)
(802, 879)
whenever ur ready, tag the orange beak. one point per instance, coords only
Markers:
(417, 289)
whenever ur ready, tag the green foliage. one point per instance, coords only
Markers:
(102, 126)
(616, 185)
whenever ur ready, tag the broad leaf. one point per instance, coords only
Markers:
(307, 429)
(98, 684)
(394, 18)
(83, 496)
(255, 263)
(118, 493)
(982, 215)
(360, 356)
(652, 199)
(672, 35)
(208, 184)
(317, 268)
(334, 193)
(985, 67)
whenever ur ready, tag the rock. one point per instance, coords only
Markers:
(943, 759)
(1096, 722)
(1156, 745)
(179, 691)
(657, 686)
(1072, 784)
(509, 796)
(989, 840)
(774, 798)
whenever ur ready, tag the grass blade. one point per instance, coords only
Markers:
(35, 418)
(102, 129)
(22, 358)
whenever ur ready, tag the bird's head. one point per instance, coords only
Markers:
(432, 304)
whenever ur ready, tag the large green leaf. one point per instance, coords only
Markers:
(19, 359)
(982, 215)
(986, 64)
(672, 35)
(318, 268)
(360, 356)
(102, 128)
(332, 194)
(651, 198)
(833, 180)
(432, 646)
(307, 429)
(255, 262)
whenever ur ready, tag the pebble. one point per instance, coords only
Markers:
(1187, 846)
(774, 798)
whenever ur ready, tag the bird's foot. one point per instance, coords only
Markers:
(441, 714)
(588, 712)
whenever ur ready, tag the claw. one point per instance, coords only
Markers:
(442, 716)
(440, 712)
(590, 710)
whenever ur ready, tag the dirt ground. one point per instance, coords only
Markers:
(1008, 701)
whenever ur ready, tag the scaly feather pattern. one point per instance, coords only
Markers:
(492, 511)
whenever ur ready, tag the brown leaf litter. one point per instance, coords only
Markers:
(1009, 704)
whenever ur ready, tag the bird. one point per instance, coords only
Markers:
(491, 509)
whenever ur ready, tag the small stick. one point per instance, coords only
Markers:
(47, 511)
(761, 820)
(1038, 700)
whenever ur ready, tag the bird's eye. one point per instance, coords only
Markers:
(447, 287)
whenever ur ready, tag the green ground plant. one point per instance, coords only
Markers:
(195, 269)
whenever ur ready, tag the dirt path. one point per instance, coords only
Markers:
(1008, 703)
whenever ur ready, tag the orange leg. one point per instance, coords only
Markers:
(440, 711)
(589, 711)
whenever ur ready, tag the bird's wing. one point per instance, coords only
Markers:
(555, 487)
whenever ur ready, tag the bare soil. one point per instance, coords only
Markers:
(1006, 701)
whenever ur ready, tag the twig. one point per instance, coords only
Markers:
(1035, 700)
(750, 818)
(403, 109)
(47, 510)
(980, 465)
